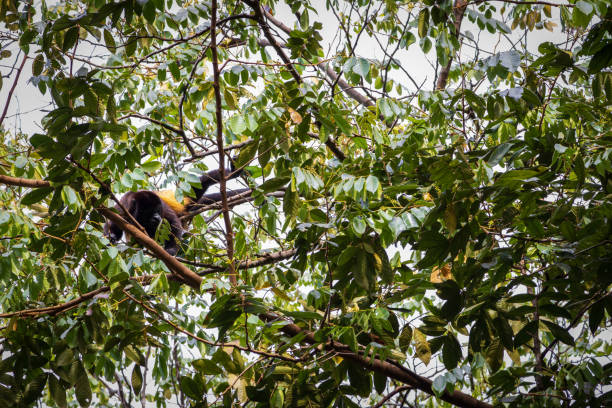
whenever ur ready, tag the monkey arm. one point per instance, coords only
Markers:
(212, 198)
(213, 177)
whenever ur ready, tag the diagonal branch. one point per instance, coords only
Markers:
(10, 94)
(345, 86)
(171, 262)
(388, 368)
(261, 19)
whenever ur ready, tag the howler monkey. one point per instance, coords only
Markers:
(149, 208)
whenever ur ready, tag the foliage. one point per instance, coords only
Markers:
(462, 233)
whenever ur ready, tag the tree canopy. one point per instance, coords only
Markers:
(428, 221)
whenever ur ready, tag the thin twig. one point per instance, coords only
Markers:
(10, 94)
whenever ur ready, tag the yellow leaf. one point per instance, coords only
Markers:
(281, 294)
(295, 116)
(450, 218)
(239, 384)
(377, 262)
(514, 356)
(439, 275)
(427, 197)
(421, 346)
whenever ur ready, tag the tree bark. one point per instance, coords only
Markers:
(458, 11)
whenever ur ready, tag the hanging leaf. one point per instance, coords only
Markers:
(422, 350)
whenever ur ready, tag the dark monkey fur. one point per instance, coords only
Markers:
(149, 208)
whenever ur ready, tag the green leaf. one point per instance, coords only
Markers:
(133, 353)
(358, 225)
(109, 41)
(585, 7)
(237, 124)
(596, 86)
(149, 11)
(247, 153)
(277, 399)
(136, 379)
(82, 389)
(362, 67)
(372, 184)
(526, 334)
(451, 352)
(34, 389)
(36, 195)
(191, 388)
(405, 338)
(38, 65)
(151, 166)
(207, 367)
(495, 355)
(360, 271)
(380, 382)
(423, 22)
(26, 38)
(596, 316)
(70, 38)
(601, 60)
(439, 384)
(65, 358)
(359, 379)
(274, 184)
(58, 393)
(498, 153)
(560, 333)
(504, 331)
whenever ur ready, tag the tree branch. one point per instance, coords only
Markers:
(265, 259)
(229, 233)
(10, 94)
(22, 182)
(200, 155)
(142, 238)
(388, 368)
(387, 397)
(348, 89)
(458, 11)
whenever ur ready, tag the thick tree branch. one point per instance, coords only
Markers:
(388, 368)
(22, 182)
(142, 238)
(524, 2)
(229, 233)
(458, 11)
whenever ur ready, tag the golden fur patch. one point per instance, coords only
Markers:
(168, 197)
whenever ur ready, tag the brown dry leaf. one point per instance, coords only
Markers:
(295, 116)
(439, 275)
